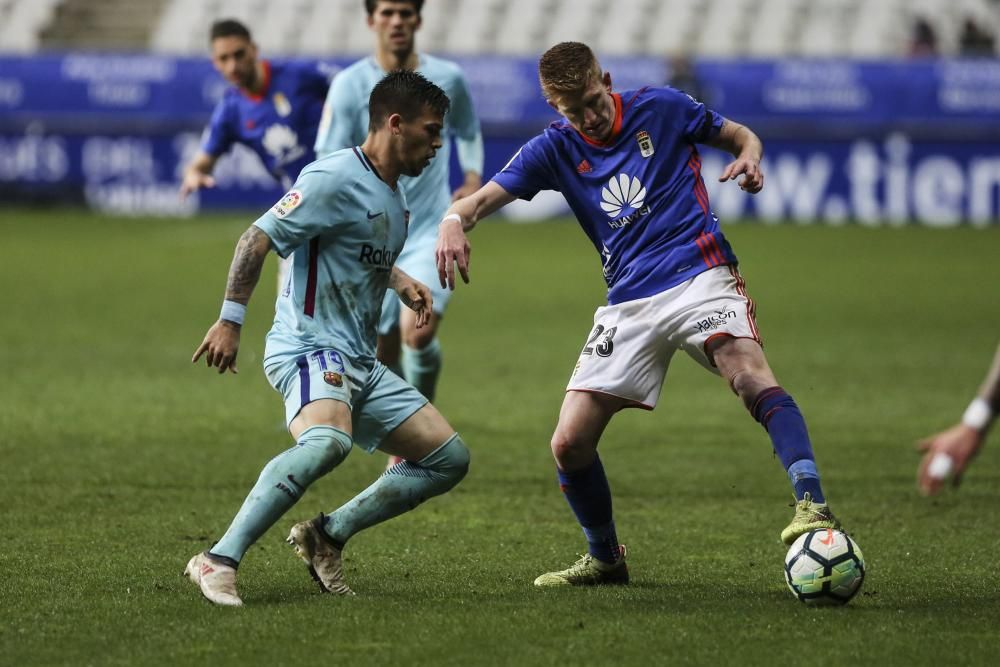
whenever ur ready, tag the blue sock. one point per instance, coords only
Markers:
(589, 496)
(780, 416)
(422, 366)
(281, 483)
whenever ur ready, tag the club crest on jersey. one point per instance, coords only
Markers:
(645, 143)
(333, 379)
(281, 104)
(288, 203)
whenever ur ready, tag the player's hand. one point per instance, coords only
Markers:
(221, 344)
(946, 455)
(452, 248)
(195, 180)
(417, 297)
(753, 177)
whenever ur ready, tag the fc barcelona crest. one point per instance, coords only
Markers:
(333, 379)
(645, 143)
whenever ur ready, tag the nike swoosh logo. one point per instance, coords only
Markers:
(829, 538)
(291, 478)
(372, 216)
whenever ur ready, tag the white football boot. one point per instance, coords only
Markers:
(216, 580)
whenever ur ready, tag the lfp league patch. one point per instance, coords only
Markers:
(288, 203)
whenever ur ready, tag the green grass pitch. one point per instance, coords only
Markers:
(119, 460)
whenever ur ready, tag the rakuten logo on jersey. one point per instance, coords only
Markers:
(623, 192)
(379, 257)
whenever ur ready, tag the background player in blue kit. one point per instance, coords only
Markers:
(629, 168)
(345, 122)
(274, 109)
(346, 220)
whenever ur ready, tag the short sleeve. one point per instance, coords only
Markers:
(313, 206)
(465, 125)
(336, 127)
(528, 172)
(699, 124)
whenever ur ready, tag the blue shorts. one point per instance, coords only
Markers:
(417, 261)
(379, 399)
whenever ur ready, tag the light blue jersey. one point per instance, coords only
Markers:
(345, 123)
(346, 227)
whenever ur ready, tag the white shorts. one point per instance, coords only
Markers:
(629, 349)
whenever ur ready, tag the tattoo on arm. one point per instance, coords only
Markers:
(251, 251)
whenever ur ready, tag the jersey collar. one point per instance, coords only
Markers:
(266, 66)
(616, 127)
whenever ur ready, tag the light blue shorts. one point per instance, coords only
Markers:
(379, 399)
(416, 260)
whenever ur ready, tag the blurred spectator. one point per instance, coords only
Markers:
(923, 42)
(975, 42)
(681, 75)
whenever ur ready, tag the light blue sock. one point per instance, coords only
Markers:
(421, 367)
(401, 488)
(282, 482)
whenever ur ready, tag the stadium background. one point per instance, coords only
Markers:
(854, 130)
(879, 308)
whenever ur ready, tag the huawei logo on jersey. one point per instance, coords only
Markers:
(282, 142)
(622, 191)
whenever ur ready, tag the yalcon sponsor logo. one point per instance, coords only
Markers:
(713, 322)
(381, 257)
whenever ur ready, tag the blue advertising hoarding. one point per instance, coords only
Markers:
(871, 142)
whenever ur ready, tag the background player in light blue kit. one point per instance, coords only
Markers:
(346, 220)
(628, 165)
(345, 122)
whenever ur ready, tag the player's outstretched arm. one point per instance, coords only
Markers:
(222, 342)
(198, 174)
(948, 453)
(748, 150)
(453, 246)
(414, 294)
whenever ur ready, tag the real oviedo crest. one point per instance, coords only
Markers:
(645, 143)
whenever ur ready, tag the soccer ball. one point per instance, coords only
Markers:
(824, 567)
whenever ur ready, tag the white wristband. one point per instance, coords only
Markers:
(453, 216)
(978, 415)
(233, 312)
(940, 466)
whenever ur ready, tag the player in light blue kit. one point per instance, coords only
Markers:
(346, 220)
(345, 122)
(629, 167)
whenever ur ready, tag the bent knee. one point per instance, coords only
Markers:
(330, 444)
(451, 459)
(421, 338)
(568, 446)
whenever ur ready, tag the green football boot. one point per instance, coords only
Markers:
(809, 516)
(588, 571)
